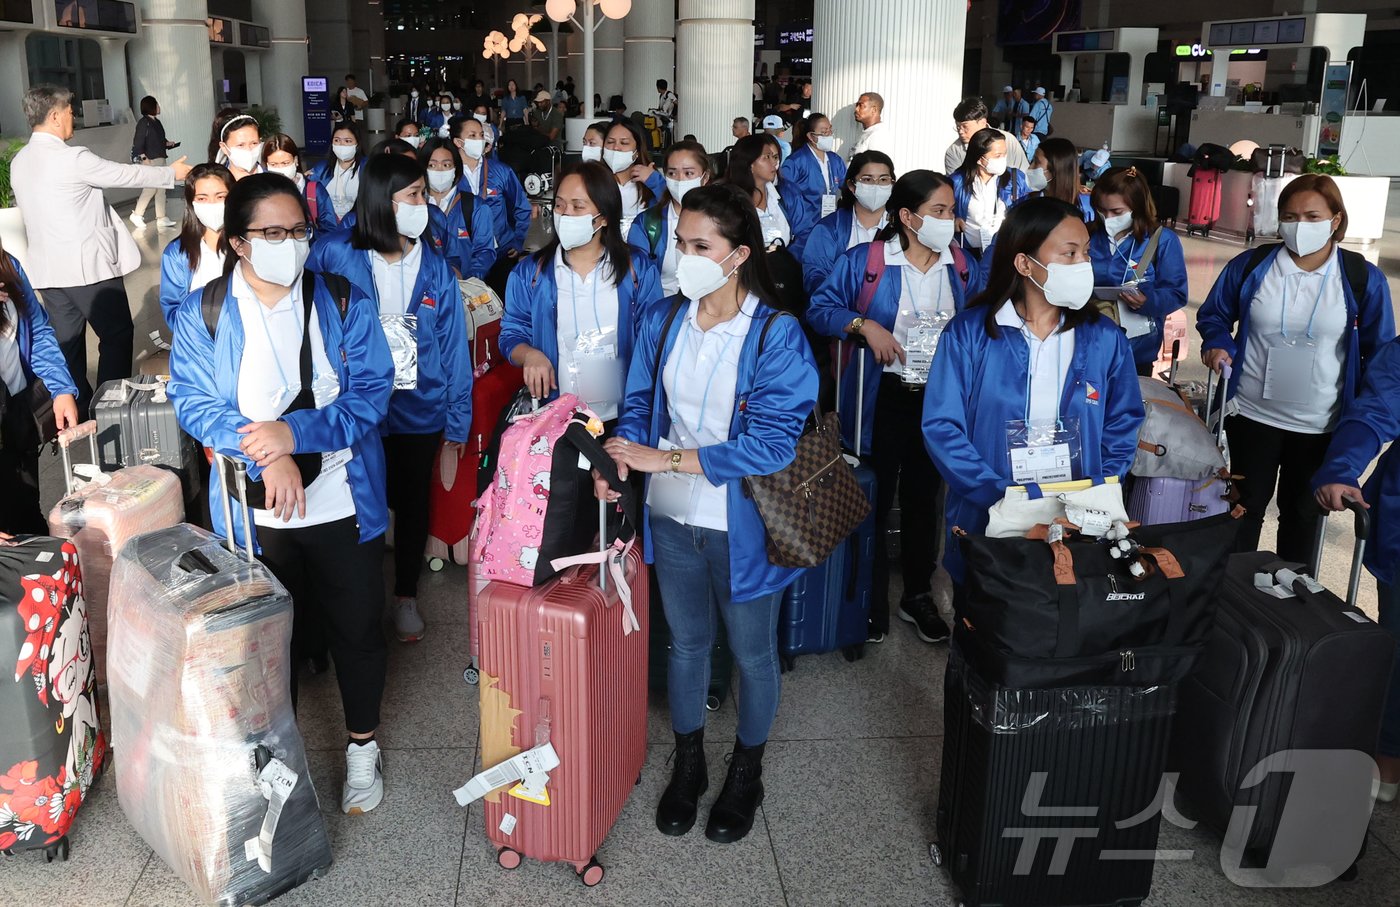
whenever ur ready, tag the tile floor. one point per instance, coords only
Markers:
(851, 777)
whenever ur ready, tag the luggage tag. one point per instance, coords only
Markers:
(1043, 452)
(920, 346)
(276, 782)
(1288, 370)
(670, 493)
(402, 333)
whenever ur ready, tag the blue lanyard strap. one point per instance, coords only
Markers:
(271, 348)
(1131, 245)
(714, 371)
(1283, 315)
(1033, 363)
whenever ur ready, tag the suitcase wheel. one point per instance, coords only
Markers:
(712, 703)
(509, 859)
(471, 675)
(57, 849)
(436, 564)
(787, 662)
(935, 853)
(591, 874)
(854, 653)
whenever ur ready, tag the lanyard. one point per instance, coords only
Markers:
(1127, 259)
(685, 341)
(573, 299)
(1031, 340)
(1283, 316)
(919, 279)
(403, 286)
(826, 172)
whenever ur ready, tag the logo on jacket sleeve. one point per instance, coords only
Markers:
(462, 233)
(1091, 393)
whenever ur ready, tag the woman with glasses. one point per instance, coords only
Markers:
(812, 178)
(860, 213)
(293, 381)
(625, 154)
(687, 167)
(334, 183)
(389, 255)
(466, 236)
(753, 167)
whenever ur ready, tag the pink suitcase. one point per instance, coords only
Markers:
(565, 663)
(101, 515)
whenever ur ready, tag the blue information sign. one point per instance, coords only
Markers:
(316, 115)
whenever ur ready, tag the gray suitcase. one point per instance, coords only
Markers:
(136, 425)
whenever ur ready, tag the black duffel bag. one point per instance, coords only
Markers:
(1038, 615)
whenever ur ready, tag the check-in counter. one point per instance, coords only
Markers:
(1368, 140)
(1127, 129)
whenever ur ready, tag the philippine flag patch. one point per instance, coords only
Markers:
(431, 303)
(1091, 392)
(462, 233)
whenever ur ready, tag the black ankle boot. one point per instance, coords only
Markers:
(675, 814)
(732, 815)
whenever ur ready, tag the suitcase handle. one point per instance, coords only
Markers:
(1362, 531)
(240, 481)
(66, 437)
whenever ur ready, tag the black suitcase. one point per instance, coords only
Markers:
(1167, 201)
(1011, 753)
(136, 425)
(1303, 673)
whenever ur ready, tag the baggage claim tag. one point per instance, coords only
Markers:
(1043, 452)
(276, 782)
(1288, 371)
(669, 493)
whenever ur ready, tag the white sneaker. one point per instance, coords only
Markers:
(137, 220)
(364, 779)
(408, 623)
(165, 223)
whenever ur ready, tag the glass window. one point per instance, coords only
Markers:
(75, 63)
(16, 11)
(103, 15)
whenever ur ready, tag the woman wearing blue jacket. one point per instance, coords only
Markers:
(984, 189)
(573, 307)
(638, 180)
(1306, 316)
(467, 232)
(813, 177)
(860, 214)
(687, 166)
(736, 385)
(332, 185)
(390, 257)
(295, 388)
(28, 352)
(192, 259)
(1054, 172)
(1118, 239)
(1029, 351)
(919, 282)
(495, 186)
(1370, 422)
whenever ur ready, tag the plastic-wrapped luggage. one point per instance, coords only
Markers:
(101, 515)
(213, 773)
(1264, 194)
(51, 741)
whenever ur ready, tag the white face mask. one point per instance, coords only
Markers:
(936, 233)
(872, 197)
(996, 166)
(1067, 286)
(245, 159)
(480, 118)
(445, 105)
(826, 143)
(411, 220)
(210, 214)
(1037, 180)
(289, 171)
(456, 105)
(474, 148)
(592, 152)
(345, 152)
(279, 263)
(574, 230)
(619, 160)
(1305, 237)
(699, 276)
(414, 141)
(1117, 223)
(678, 188)
(441, 180)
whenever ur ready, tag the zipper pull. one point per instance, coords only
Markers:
(1128, 660)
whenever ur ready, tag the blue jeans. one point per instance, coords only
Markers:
(1388, 612)
(692, 568)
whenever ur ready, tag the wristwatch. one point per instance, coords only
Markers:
(856, 324)
(675, 461)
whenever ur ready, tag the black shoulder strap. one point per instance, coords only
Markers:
(339, 287)
(1256, 258)
(676, 302)
(768, 323)
(1354, 267)
(468, 203)
(211, 302)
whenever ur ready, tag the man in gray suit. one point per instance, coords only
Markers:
(78, 248)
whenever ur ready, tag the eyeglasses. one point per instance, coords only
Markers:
(875, 180)
(275, 235)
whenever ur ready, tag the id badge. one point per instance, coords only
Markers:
(920, 347)
(828, 204)
(1288, 372)
(670, 493)
(402, 333)
(332, 460)
(1043, 452)
(1133, 323)
(597, 372)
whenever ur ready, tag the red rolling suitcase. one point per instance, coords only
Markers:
(1205, 201)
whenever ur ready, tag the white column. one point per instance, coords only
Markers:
(114, 78)
(607, 60)
(285, 63)
(649, 52)
(174, 30)
(714, 66)
(911, 54)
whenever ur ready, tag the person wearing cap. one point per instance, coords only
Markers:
(777, 127)
(1094, 164)
(1009, 110)
(548, 119)
(1042, 110)
(970, 117)
(869, 113)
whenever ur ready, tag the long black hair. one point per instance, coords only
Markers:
(910, 191)
(643, 156)
(734, 216)
(383, 175)
(601, 188)
(977, 148)
(742, 157)
(9, 282)
(243, 200)
(1062, 167)
(858, 163)
(1024, 231)
(192, 228)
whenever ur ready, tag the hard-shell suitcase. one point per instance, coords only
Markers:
(136, 425)
(1263, 204)
(51, 743)
(564, 664)
(100, 515)
(1158, 500)
(1284, 676)
(214, 774)
(1205, 201)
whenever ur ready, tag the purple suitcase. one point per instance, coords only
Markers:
(1164, 500)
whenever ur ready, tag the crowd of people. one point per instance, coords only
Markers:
(701, 314)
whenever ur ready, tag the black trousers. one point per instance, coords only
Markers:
(105, 306)
(337, 584)
(901, 461)
(19, 470)
(409, 460)
(1269, 458)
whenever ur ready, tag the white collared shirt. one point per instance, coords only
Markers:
(1050, 360)
(11, 369)
(919, 293)
(669, 259)
(473, 175)
(211, 265)
(701, 376)
(985, 212)
(445, 203)
(632, 204)
(586, 309)
(772, 219)
(861, 234)
(269, 378)
(393, 281)
(344, 186)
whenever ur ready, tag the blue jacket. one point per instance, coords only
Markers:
(204, 389)
(1164, 285)
(469, 248)
(803, 188)
(1369, 423)
(775, 394)
(532, 300)
(1370, 320)
(637, 234)
(316, 190)
(825, 245)
(983, 383)
(435, 119)
(834, 305)
(38, 345)
(1013, 190)
(502, 193)
(442, 401)
(176, 275)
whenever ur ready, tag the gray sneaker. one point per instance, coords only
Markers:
(364, 779)
(408, 623)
